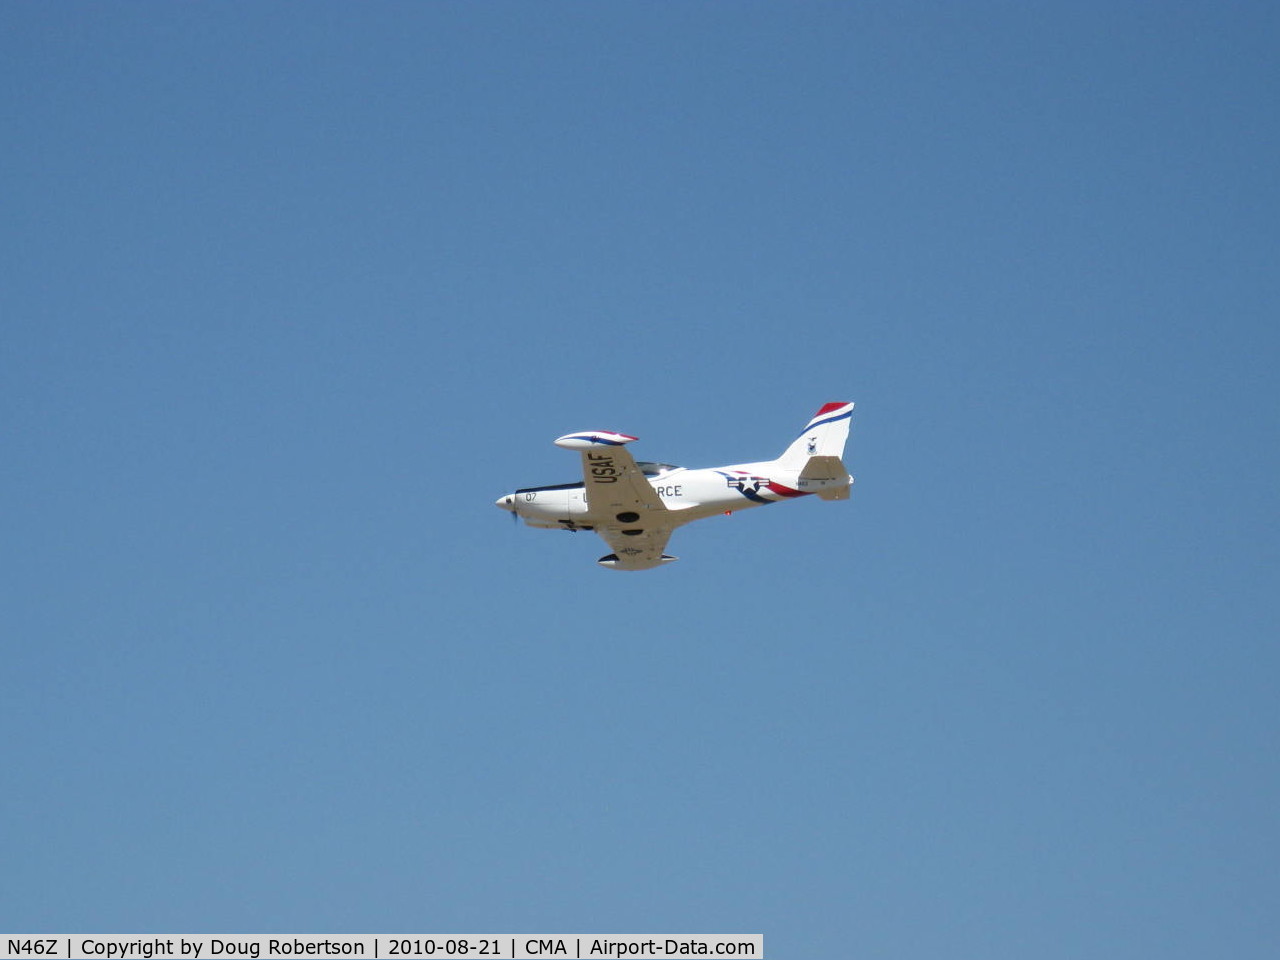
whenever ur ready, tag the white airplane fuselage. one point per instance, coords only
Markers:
(688, 494)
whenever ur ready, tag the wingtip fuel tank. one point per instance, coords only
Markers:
(589, 439)
(612, 562)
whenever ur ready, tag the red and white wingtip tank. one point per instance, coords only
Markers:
(636, 506)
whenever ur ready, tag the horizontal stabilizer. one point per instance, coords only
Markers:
(827, 477)
(824, 468)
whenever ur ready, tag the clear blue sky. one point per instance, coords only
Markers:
(292, 292)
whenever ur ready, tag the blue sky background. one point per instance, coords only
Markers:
(291, 293)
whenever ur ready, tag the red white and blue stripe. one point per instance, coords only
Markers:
(754, 488)
(830, 413)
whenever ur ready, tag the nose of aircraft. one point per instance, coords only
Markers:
(506, 503)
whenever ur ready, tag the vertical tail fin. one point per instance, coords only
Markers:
(824, 436)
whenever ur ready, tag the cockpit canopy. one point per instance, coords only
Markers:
(650, 469)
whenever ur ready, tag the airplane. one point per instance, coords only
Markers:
(636, 506)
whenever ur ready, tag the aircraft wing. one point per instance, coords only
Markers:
(629, 514)
(616, 486)
(635, 548)
(621, 504)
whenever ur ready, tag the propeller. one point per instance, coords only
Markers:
(507, 503)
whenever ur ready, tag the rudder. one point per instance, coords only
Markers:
(823, 436)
